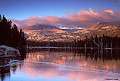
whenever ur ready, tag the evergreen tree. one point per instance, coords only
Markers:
(9, 35)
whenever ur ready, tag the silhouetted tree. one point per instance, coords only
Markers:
(9, 35)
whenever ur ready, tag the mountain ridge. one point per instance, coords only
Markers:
(52, 33)
(41, 27)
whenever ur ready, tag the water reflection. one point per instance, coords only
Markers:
(4, 70)
(8, 65)
(106, 61)
(95, 54)
(72, 64)
(64, 65)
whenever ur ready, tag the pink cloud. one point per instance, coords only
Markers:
(83, 19)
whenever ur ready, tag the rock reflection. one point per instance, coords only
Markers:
(8, 65)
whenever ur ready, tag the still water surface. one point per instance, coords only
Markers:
(61, 66)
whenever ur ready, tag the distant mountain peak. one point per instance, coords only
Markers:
(43, 32)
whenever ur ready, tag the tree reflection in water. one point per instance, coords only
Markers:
(104, 54)
(10, 64)
(107, 60)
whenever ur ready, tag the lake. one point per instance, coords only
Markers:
(62, 65)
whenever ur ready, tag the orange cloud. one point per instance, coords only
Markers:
(83, 19)
(109, 11)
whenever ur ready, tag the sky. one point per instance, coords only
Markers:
(66, 13)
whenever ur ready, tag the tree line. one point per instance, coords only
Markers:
(10, 35)
(92, 42)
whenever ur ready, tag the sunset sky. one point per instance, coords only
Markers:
(66, 13)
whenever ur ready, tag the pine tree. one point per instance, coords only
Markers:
(9, 35)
